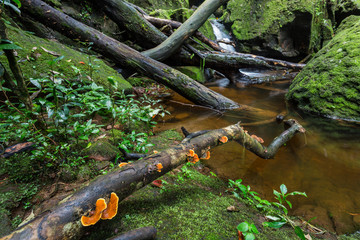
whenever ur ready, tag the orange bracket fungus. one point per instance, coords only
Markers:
(191, 153)
(94, 215)
(207, 156)
(123, 164)
(159, 166)
(223, 139)
(259, 139)
(112, 207)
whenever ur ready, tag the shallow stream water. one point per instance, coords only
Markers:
(324, 162)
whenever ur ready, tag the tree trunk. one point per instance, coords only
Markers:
(126, 56)
(159, 22)
(63, 221)
(187, 29)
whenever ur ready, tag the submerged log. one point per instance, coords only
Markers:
(126, 56)
(63, 221)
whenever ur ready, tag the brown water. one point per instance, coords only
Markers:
(324, 162)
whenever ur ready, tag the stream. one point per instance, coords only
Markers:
(324, 162)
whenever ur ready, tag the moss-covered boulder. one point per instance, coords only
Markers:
(37, 60)
(280, 26)
(329, 85)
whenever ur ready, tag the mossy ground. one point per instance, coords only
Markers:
(329, 85)
(190, 206)
(37, 53)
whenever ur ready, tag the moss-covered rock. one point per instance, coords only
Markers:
(274, 23)
(36, 56)
(101, 150)
(329, 85)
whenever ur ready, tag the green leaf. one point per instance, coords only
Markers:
(253, 228)
(35, 82)
(298, 193)
(299, 232)
(289, 203)
(283, 189)
(249, 236)
(243, 227)
(8, 46)
(17, 2)
(273, 218)
(276, 193)
(274, 224)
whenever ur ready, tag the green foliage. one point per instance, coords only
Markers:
(248, 230)
(12, 6)
(277, 212)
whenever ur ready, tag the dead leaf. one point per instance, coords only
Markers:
(51, 52)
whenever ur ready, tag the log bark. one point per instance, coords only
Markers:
(159, 22)
(187, 29)
(63, 221)
(145, 233)
(126, 56)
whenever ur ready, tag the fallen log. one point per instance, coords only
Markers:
(63, 221)
(127, 16)
(159, 22)
(186, 30)
(126, 56)
(145, 233)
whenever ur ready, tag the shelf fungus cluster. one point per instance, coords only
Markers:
(194, 158)
(102, 210)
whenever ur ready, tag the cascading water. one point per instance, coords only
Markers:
(221, 35)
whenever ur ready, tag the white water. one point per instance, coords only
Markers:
(221, 35)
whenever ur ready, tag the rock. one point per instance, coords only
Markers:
(279, 28)
(101, 150)
(5, 224)
(329, 85)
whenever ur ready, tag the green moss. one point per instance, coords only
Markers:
(165, 139)
(37, 53)
(329, 84)
(254, 19)
(195, 73)
(102, 148)
(191, 208)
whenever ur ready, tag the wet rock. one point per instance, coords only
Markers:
(329, 84)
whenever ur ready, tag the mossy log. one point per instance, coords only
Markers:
(159, 22)
(126, 56)
(187, 29)
(63, 221)
(145, 233)
(127, 16)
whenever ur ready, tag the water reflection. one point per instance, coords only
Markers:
(325, 163)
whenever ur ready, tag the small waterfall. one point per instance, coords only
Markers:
(221, 35)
